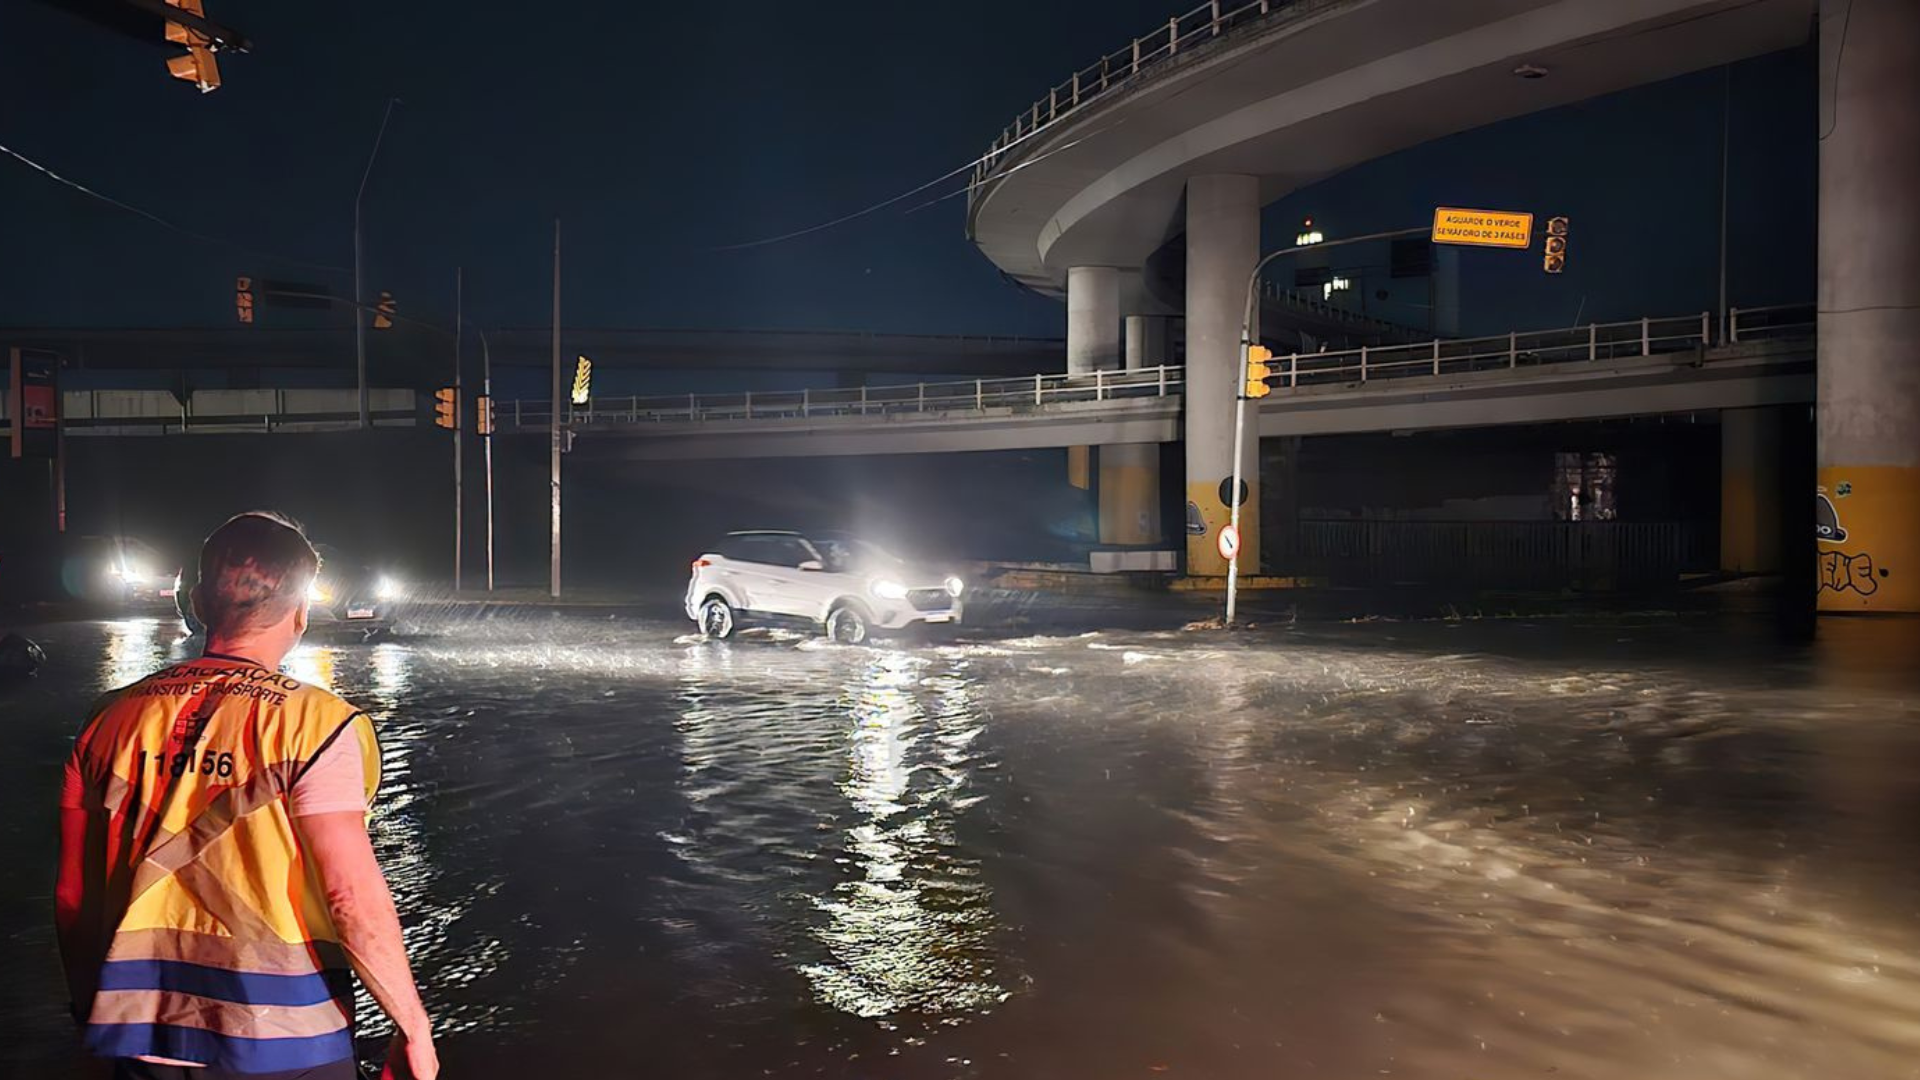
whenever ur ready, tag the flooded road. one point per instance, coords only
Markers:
(1622, 847)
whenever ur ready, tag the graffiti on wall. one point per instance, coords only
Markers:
(1839, 570)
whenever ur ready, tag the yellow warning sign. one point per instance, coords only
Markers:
(1482, 228)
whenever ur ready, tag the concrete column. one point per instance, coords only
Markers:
(1867, 508)
(1753, 492)
(1130, 475)
(1223, 244)
(1093, 319)
(1149, 341)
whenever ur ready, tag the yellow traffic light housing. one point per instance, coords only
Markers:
(483, 415)
(446, 408)
(383, 312)
(197, 64)
(243, 299)
(1555, 260)
(582, 381)
(1258, 372)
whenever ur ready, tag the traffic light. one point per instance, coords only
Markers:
(383, 312)
(483, 415)
(243, 299)
(197, 64)
(1556, 256)
(1258, 372)
(582, 381)
(446, 408)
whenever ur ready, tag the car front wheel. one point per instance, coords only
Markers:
(716, 619)
(847, 626)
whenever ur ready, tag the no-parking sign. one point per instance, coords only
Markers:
(1229, 542)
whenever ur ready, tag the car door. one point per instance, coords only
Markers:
(789, 588)
(745, 573)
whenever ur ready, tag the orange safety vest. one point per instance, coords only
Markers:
(221, 948)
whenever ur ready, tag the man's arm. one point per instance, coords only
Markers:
(73, 919)
(363, 912)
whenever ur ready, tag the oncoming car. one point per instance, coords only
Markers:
(840, 585)
(346, 597)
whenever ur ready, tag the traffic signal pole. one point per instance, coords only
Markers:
(458, 472)
(1240, 399)
(558, 398)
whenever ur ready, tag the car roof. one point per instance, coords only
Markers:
(764, 532)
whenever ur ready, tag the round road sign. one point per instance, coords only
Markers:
(1229, 542)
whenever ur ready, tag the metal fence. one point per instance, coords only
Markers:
(1179, 36)
(1022, 394)
(1593, 555)
(1516, 349)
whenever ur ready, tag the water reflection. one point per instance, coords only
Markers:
(912, 931)
(136, 648)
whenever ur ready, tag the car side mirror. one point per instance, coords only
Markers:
(812, 564)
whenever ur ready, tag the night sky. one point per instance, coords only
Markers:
(661, 132)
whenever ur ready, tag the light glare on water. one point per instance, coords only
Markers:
(1428, 852)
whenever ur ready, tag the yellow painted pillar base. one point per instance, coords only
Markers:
(1867, 530)
(1080, 467)
(1207, 514)
(1130, 494)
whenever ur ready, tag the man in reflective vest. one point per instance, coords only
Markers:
(216, 882)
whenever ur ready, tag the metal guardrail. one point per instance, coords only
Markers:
(1592, 342)
(1442, 356)
(117, 411)
(1023, 394)
(1178, 36)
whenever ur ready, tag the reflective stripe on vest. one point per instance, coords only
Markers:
(222, 950)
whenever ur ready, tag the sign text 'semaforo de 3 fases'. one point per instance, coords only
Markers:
(1482, 228)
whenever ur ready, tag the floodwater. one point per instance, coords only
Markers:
(1636, 847)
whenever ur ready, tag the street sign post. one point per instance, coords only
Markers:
(1229, 542)
(1482, 228)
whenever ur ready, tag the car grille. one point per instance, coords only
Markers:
(929, 599)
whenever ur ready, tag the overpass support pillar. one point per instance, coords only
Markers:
(1223, 244)
(1130, 474)
(1149, 341)
(1093, 319)
(1093, 344)
(1753, 494)
(1867, 513)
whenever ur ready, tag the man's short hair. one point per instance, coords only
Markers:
(254, 570)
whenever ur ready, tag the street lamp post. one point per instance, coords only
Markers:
(359, 297)
(1240, 393)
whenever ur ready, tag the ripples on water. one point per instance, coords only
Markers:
(1415, 852)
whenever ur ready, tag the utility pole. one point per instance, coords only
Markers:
(486, 444)
(553, 479)
(458, 472)
(359, 297)
(1726, 130)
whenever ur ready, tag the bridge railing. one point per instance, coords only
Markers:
(1592, 342)
(1022, 394)
(1178, 36)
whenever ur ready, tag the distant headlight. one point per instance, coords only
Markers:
(955, 587)
(889, 590)
(388, 589)
(318, 593)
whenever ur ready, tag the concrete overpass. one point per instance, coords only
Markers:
(1180, 136)
(1638, 368)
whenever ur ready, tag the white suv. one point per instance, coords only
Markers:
(836, 583)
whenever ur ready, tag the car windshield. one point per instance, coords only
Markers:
(845, 553)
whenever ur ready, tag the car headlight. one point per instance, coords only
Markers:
(889, 590)
(955, 587)
(387, 589)
(318, 593)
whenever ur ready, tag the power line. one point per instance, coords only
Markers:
(163, 222)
